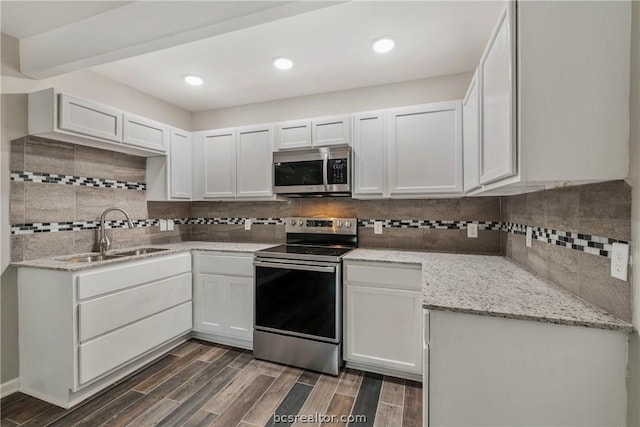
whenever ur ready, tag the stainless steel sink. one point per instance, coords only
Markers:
(141, 251)
(91, 258)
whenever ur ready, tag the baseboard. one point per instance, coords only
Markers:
(9, 387)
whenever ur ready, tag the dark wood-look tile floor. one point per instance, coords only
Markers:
(203, 384)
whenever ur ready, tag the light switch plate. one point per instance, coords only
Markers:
(163, 225)
(247, 224)
(377, 227)
(472, 231)
(529, 236)
(619, 260)
(170, 225)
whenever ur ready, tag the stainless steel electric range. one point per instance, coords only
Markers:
(298, 294)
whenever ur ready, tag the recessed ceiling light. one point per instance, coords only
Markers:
(282, 63)
(383, 44)
(193, 80)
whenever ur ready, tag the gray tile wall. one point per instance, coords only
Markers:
(36, 202)
(602, 209)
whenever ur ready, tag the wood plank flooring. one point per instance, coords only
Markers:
(204, 384)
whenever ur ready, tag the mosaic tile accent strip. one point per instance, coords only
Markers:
(82, 181)
(430, 224)
(595, 245)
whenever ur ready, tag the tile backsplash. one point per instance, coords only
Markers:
(59, 190)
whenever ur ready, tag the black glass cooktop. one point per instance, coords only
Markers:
(309, 252)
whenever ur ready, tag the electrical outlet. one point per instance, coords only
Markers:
(377, 227)
(619, 260)
(529, 236)
(247, 224)
(472, 230)
(170, 225)
(163, 225)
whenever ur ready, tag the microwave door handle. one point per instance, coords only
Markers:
(325, 172)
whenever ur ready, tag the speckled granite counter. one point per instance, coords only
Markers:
(493, 286)
(59, 263)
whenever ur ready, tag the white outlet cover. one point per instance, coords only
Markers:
(163, 225)
(529, 236)
(620, 261)
(247, 224)
(377, 227)
(170, 225)
(472, 231)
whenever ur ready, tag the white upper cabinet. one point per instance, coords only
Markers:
(90, 118)
(569, 120)
(180, 165)
(254, 161)
(219, 155)
(145, 133)
(471, 135)
(294, 134)
(497, 98)
(369, 154)
(331, 131)
(425, 149)
(64, 117)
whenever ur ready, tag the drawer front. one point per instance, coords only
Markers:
(104, 314)
(236, 265)
(121, 276)
(114, 349)
(388, 277)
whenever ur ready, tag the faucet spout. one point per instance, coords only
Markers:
(103, 240)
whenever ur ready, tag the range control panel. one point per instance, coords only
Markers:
(321, 225)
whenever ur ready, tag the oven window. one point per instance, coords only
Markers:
(298, 173)
(296, 301)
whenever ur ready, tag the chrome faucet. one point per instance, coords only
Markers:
(103, 240)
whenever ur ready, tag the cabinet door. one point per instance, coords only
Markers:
(293, 135)
(90, 118)
(369, 144)
(331, 131)
(209, 303)
(255, 148)
(145, 133)
(239, 304)
(471, 135)
(425, 149)
(180, 165)
(497, 69)
(384, 328)
(220, 163)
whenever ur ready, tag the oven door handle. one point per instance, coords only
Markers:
(294, 266)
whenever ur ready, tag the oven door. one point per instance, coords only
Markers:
(301, 176)
(300, 299)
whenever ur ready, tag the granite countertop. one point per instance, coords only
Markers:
(58, 262)
(493, 286)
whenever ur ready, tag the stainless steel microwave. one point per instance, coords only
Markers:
(313, 172)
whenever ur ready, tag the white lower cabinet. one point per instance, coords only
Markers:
(223, 297)
(82, 331)
(383, 318)
(490, 371)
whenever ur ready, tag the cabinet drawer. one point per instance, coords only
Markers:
(223, 264)
(113, 311)
(120, 346)
(110, 279)
(389, 277)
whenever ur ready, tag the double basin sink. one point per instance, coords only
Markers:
(105, 257)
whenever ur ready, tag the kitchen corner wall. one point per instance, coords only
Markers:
(63, 188)
(599, 213)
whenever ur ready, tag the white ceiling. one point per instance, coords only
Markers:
(330, 47)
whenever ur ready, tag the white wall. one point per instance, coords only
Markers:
(423, 91)
(633, 392)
